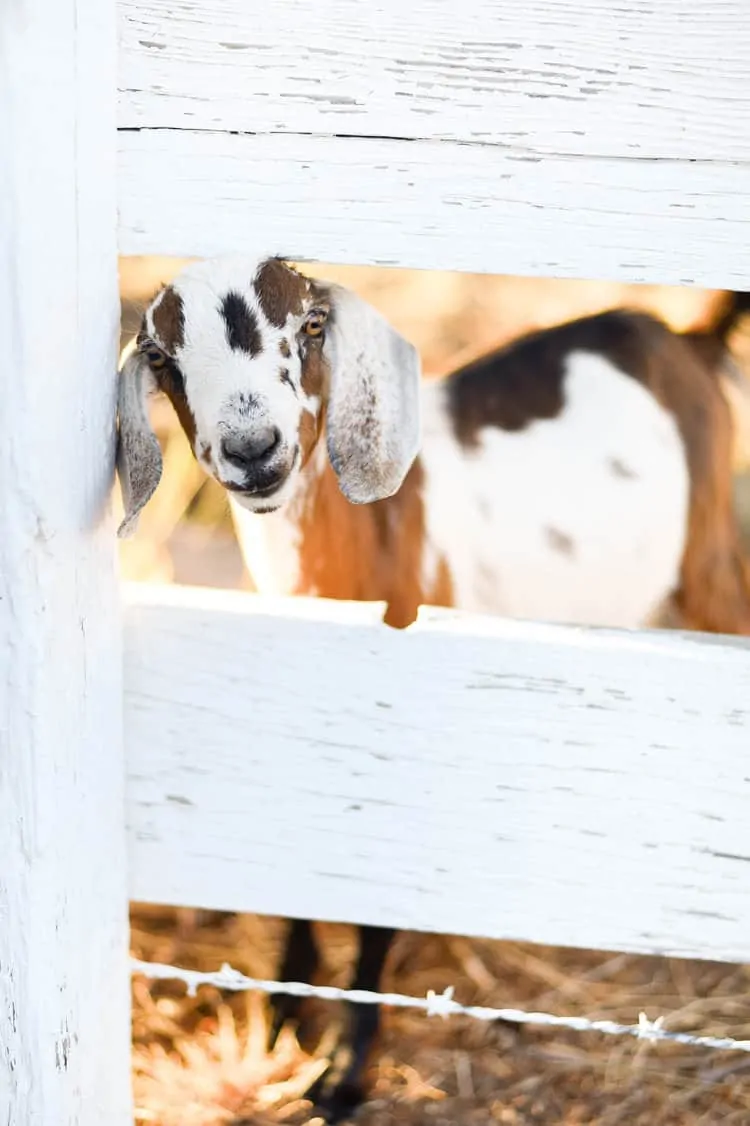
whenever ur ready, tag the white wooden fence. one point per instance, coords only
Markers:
(567, 786)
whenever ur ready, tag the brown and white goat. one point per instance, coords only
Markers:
(582, 474)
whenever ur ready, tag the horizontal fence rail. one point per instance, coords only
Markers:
(471, 775)
(567, 139)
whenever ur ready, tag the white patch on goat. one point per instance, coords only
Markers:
(270, 543)
(219, 379)
(270, 546)
(580, 519)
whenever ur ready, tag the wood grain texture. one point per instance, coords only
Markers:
(477, 776)
(64, 983)
(434, 205)
(574, 138)
(648, 79)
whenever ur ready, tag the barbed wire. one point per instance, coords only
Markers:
(434, 1004)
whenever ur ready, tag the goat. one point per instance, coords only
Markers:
(582, 474)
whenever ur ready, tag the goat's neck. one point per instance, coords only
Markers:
(274, 545)
(317, 544)
(320, 544)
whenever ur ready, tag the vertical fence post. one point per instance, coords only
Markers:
(64, 1035)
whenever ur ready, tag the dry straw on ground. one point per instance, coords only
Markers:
(202, 1061)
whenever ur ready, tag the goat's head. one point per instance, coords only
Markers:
(257, 361)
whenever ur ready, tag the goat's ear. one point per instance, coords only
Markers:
(373, 414)
(139, 460)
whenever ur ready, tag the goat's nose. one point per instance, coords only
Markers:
(244, 450)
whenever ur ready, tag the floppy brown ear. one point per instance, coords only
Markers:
(373, 414)
(139, 460)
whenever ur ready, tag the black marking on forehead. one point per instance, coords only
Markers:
(243, 334)
(286, 378)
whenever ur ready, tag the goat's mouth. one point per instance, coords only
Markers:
(261, 500)
(255, 493)
(256, 496)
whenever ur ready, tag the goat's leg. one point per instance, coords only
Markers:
(714, 590)
(341, 1088)
(299, 963)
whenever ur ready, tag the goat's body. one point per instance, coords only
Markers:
(582, 476)
(581, 518)
(552, 483)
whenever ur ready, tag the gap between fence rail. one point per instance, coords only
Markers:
(434, 1004)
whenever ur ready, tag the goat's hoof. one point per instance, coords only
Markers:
(340, 1104)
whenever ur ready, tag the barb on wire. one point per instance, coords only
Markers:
(434, 1004)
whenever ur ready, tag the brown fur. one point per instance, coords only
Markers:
(168, 376)
(368, 553)
(714, 592)
(314, 381)
(169, 321)
(170, 382)
(375, 552)
(525, 382)
(280, 291)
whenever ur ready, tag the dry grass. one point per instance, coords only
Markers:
(202, 1061)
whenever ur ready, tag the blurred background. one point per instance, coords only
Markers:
(202, 1061)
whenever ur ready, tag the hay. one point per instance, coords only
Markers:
(202, 1061)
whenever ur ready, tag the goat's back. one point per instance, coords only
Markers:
(556, 474)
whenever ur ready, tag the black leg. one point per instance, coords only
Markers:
(341, 1088)
(299, 963)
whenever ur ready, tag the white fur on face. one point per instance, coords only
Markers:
(236, 372)
(234, 392)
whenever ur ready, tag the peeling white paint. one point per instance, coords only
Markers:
(470, 775)
(545, 77)
(64, 1028)
(475, 138)
(436, 206)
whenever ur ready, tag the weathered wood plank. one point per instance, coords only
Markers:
(472, 775)
(434, 205)
(557, 77)
(64, 984)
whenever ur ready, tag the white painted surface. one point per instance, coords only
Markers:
(434, 205)
(64, 1028)
(648, 79)
(474, 775)
(335, 115)
(577, 519)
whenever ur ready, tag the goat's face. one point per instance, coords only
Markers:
(240, 358)
(256, 359)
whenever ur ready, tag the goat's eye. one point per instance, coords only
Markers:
(315, 322)
(156, 357)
